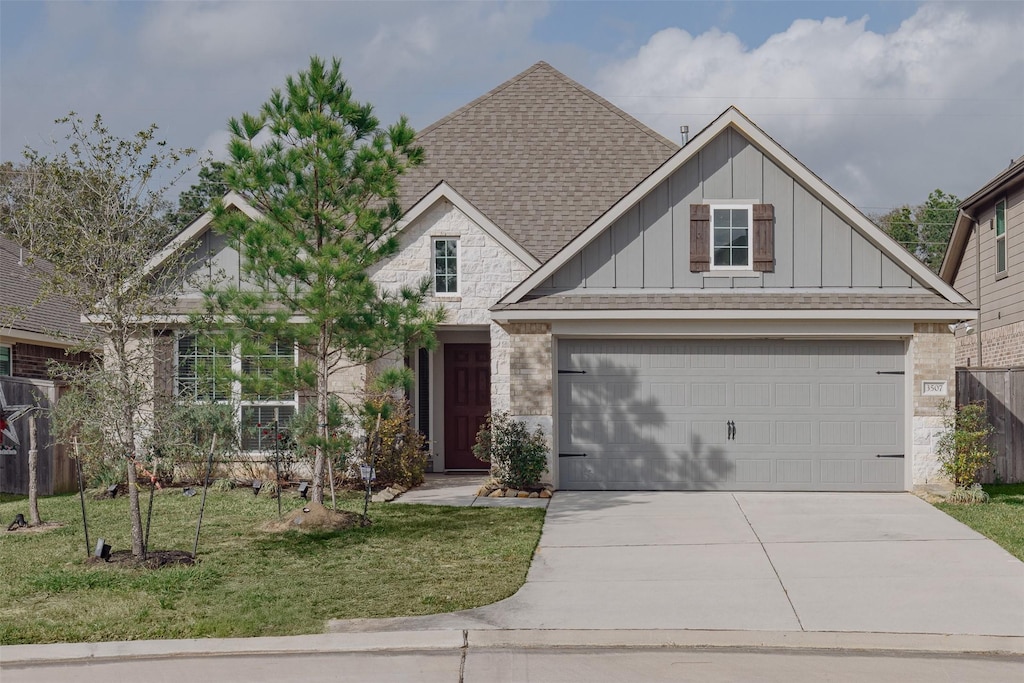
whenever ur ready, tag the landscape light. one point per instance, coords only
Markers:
(112, 490)
(102, 550)
(256, 486)
(189, 491)
(303, 490)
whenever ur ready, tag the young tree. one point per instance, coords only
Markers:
(324, 174)
(95, 212)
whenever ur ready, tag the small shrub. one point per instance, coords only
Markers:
(401, 458)
(968, 495)
(518, 458)
(963, 448)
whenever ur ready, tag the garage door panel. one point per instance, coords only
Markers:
(807, 415)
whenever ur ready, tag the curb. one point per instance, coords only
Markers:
(454, 640)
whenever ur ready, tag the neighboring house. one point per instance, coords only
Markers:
(985, 261)
(34, 330)
(707, 317)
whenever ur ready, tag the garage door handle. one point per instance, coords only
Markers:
(889, 455)
(731, 426)
(572, 455)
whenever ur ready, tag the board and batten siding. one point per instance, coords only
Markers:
(648, 247)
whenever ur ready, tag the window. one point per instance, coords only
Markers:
(446, 266)
(1001, 236)
(203, 372)
(730, 230)
(5, 361)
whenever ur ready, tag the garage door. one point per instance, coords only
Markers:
(731, 415)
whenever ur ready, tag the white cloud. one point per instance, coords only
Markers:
(885, 118)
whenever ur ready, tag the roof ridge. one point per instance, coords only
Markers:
(486, 96)
(632, 120)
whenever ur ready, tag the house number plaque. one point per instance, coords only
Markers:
(933, 387)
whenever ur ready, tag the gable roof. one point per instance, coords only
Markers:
(52, 319)
(968, 214)
(540, 155)
(734, 118)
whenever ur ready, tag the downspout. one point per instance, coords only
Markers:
(977, 283)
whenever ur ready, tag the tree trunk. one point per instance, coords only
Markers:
(134, 506)
(322, 430)
(33, 474)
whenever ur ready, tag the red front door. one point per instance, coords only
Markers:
(467, 400)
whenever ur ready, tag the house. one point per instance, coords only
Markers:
(985, 261)
(34, 330)
(713, 316)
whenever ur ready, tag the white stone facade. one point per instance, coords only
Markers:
(487, 271)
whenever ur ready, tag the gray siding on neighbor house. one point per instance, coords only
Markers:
(649, 246)
(210, 259)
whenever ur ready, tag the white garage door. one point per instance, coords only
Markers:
(731, 415)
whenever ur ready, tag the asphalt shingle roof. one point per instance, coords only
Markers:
(711, 300)
(19, 291)
(540, 155)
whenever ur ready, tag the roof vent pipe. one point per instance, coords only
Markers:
(684, 132)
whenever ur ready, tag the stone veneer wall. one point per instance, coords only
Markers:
(521, 381)
(1001, 347)
(933, 350)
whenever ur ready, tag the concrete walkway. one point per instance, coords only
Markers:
(459, 490)
(767, 562)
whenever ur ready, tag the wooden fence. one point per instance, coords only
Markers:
(56, 471)
(1002, 389)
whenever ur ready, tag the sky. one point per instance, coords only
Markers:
(885, 101)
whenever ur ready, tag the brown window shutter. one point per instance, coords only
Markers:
(700, 238)
(764, 238)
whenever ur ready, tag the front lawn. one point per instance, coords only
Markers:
(1001, 519)
(413, 559)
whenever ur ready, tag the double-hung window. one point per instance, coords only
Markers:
(730, 233)
(446, 265)
(207, 372)
(1000, 225)
(5, 361)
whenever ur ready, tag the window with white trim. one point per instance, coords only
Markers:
(730, 237)
(203, 372)
(1000, 226)
(446, 265)
(6, 368)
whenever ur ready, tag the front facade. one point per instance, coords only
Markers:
(985, 261)
(711, 317)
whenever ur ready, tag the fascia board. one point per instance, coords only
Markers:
(446, 191)
(958, 239)
(735, 118)
(711, 329)
(14, 336)
(932, 315)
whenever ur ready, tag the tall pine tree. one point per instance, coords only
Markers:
(324, 174)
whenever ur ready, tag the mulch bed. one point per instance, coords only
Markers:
(314, 517)
(155, 559)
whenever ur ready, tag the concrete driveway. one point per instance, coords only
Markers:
(757, 561)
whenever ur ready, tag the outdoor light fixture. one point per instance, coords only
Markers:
(189, 491)
(303, 490)
(112, 490)
(256, 486)
(102, 550)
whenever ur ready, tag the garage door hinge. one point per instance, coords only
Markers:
(889, 455)
(572, 455)
(572, 372)
(890, 372)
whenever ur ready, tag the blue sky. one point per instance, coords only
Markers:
(885, 100)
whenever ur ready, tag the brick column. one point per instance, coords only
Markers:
(933, 351)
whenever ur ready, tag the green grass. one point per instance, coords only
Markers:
(1001, 519)
(413, 559)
